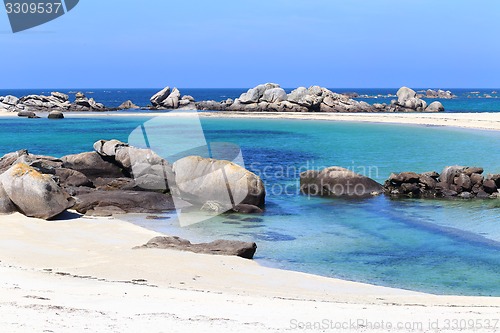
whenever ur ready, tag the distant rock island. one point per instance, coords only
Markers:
(269, 97)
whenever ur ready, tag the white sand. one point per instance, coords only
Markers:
(185, 292)
(484, 120)
(182, 292)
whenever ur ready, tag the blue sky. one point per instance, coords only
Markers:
(241, 43)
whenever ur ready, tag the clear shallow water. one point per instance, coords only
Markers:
(447, 247)
(469, 100)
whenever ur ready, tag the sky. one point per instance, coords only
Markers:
(242, 43)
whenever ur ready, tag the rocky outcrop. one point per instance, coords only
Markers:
(128, 105)
(117, 179)
(270, 97)
(338, 182)
(167, 99)
(454, 181)
(34, 194)
(219, 247)
(409, 101)
(439, 94)
(55, 102)
(200, 180)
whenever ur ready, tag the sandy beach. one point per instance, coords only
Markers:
(482, 120)
(82, 273)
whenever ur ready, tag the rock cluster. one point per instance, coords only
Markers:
(408, 101)
(218, 247)
(338, 182)
(454, 181)
(167, 99)
(270, 97)
(116, 178)
(55, 102)
(439, 94)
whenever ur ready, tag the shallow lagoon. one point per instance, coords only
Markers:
(446, 247)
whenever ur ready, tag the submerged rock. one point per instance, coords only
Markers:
(218, 247)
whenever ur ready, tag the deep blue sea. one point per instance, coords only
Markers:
(469, 100)
(443, 247)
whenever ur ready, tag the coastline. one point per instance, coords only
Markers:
(85, 268)
(479, 121)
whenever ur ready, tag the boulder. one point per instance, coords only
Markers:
(198, 180)
(219, 247)
(56, 115)
(128, 105)
(338, 182)
(127, 201)
(274, 95)
(172, 101)
(34, 194)
(435, 107)
(160, 96)
(92, 165)
(10, 100)
(60, 96)
(69, 178)
(404, 94)
(26, 114)
(6, 205)
(9, 159)
(108, 148)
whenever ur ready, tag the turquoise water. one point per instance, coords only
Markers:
(445, 247)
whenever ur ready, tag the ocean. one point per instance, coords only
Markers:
(469, 100)
(434, 246)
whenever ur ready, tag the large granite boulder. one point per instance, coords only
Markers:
(34, 194)
(200, 180)
(338, 182)
(219, 247)
(56, 115)
(160, 96)
(6, 205)
(275, 95)
(92, 165)
(149, 170)
(435, 107)
(125, 201)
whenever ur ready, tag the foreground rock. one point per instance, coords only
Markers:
(454, 181)
(106, 203)
(219, 247)
(200, 180)
(34, 194)
(338, 182)
(118, 179)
